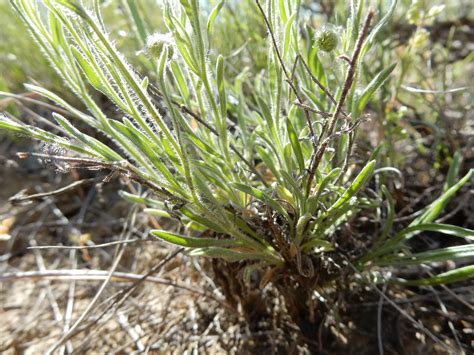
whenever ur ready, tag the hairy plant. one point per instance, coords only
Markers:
(256, 165)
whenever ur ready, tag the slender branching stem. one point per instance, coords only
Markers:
(340, 104)
(285, 71)
(122, 167)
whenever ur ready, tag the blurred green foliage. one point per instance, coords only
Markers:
(20, 59)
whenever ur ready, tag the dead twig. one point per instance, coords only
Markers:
(379, 322)
(103, 245)
(122, 320)
(21, 198)
(321, 113)
(69, 334)
(315, 80)
(416, 323)
(70, 301)
(87, 275)
(123, 167)
(26, 97)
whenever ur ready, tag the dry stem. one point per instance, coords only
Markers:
(340, 104)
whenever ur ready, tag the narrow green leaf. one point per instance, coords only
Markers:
(57, 32)
(88, 70)
(74, 6)
(435, 208)
(335, 219)
(287, 36)
(133, 198)
(157, 212)
(282, 9)
(292, 184)
(144, 83)
(301, 227)
(190, 242)
(221, 89)
(390, 214)
(45, 136)
(105, 151)
(456, 275)
(396, 241)
(162, 64)
(138, 21)
(376, 152)
(188, 58)
(444, 254)
(370, 39)
(182, 85)
(295, 144)
(376, 82)
(435, 227)
(199, 219)
(313, 98)
(453, 171)
(203, 146)
(313, 201)
(212, 16)
(267, 115)
(268, 161)
(55, 98)
(286, 195)
(359, 182)
(322, 244)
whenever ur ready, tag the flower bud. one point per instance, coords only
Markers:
(415, 12)
(420, 38)
(157, 43)
(435, 11)
(327, 40)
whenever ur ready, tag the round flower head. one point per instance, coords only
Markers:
(420, 38)
(326, 40)
(157, 43)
